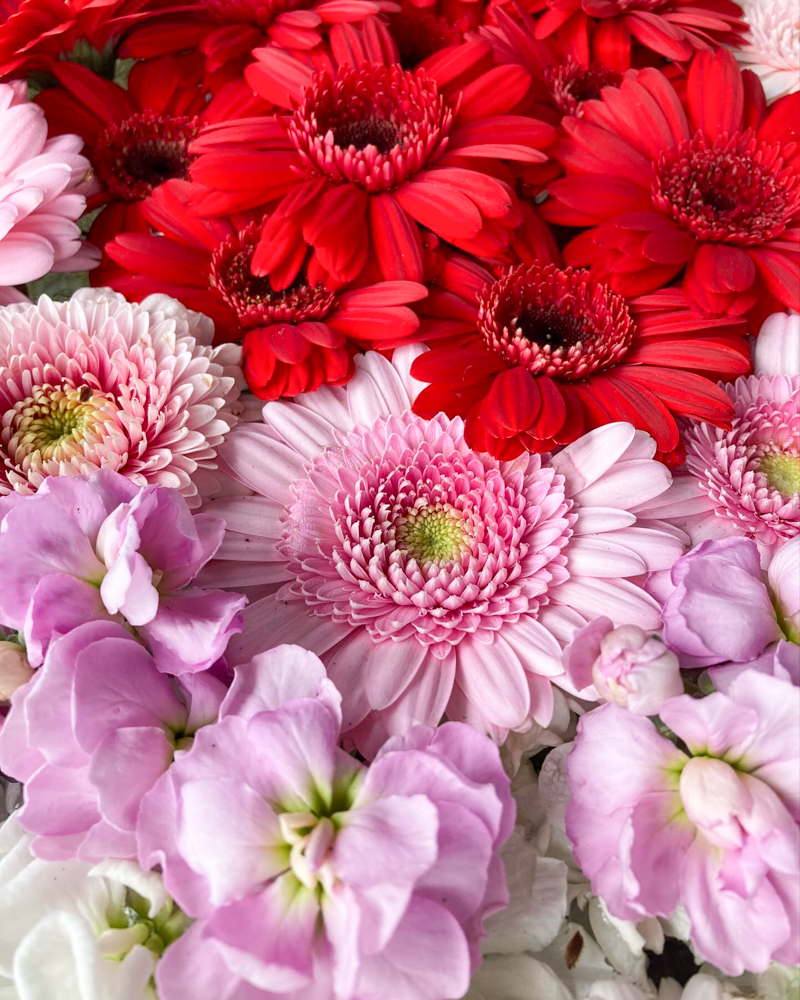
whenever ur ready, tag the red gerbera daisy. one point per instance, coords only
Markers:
(370, 155)
(672, 28)
(715, 192)
(139, 137)
(296, 338)
(541, 355)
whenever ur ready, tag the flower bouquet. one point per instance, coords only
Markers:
(399, 500)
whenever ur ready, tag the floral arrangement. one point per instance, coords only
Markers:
(399, 500)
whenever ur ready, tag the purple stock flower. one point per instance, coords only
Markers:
(716, 603)
(715, 830)
(91, 733)
(312, 875)
(100, 547)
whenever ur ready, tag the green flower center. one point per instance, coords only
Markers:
(433, 534)
(53, 422)
(132, 925)
(782, 472)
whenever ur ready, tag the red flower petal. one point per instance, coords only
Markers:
(287, 344)
(683, 392)
(465, 365)
(780, 273)
(395, 239)
(447, 212)
(512, 404)
(714, 93)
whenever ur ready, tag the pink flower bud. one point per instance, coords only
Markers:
(14, 669)
(777, 349)
(636, 670)
(783, 576)
(714, 797)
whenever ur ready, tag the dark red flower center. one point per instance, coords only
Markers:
(554, 322)
(571, 84)
(253, 299)
(735, 190)
(374, 126)
(136, 155)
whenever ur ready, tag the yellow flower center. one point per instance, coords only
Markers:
(432, 534)
(53, 423)
(782, 472)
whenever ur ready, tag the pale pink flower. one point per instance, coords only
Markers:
(715, 829)
(87, 769)
(624, 665)
(43, 187)
(772, 48)
(429, 578)
(98, 382)
(313, 875)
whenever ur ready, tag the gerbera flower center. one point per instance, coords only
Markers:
(374, 126)
(432, 534)
(782, 470)
(423, 537)
(54, 422)
(734, 191)
(554, 322)
(571, 84)
(136, 155)
(253, 298)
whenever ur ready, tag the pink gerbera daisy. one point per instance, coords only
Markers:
(97, 382)
(746, 480)
(431, 579)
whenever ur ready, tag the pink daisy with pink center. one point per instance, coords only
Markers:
(432, 580)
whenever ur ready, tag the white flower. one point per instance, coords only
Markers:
(516, 977)
(772, 49)
(72, 932)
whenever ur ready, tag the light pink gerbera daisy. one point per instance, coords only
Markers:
(431, 579)
(746, 480)
(772, 47)
(43, 187)
(98, 382)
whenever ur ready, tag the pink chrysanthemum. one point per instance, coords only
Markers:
(429, 578)
(43, 184)
(98, 382)
(772, 47)
(745, 480)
